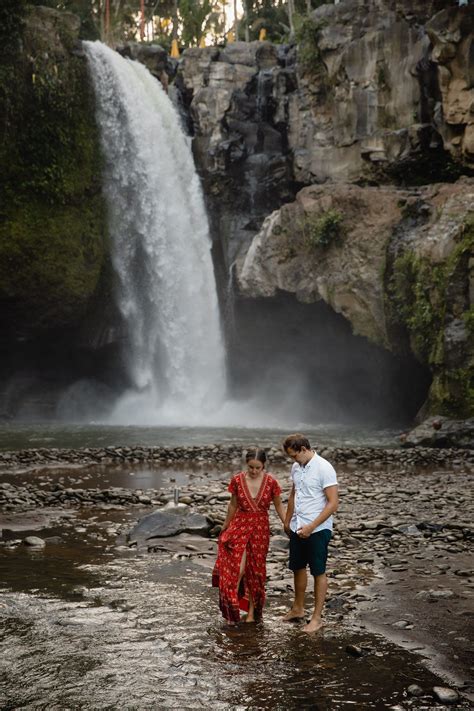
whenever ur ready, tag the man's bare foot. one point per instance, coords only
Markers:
(293, 615)
(313, 625)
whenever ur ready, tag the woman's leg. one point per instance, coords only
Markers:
(256, 576)
(251, 613)
(250, 617)
(231, 572)
(243, 563)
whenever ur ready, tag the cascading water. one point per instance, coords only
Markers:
(160, 248)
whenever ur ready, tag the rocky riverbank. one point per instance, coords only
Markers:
(400, 560)
(27, 459)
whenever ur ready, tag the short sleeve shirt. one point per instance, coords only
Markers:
(309, 482)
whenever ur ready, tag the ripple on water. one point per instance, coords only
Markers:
(149, 637)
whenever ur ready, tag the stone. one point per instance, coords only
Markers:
(34, 542)
(415, 690)
(401, 624)
(445, 695)
(354, 650)
(169, 522)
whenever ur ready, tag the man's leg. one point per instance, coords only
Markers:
(320, 590)
(297, 609)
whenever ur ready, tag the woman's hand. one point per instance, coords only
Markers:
(287, 529)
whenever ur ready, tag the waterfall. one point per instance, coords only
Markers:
(160, 248)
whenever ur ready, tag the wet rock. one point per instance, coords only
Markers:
(401, 624)
(442, 432)
(445, 695)
(34, 542)
(354, 650)
(169, 522)
(410, 530)
(434, 595)
(415, 690)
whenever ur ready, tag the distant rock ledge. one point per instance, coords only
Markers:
(233, 455)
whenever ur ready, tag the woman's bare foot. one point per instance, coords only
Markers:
(293, 614)
(313, 625)
(250, 618)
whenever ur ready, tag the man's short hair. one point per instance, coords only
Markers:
(296, 442)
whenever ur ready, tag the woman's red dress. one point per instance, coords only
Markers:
(249, 530)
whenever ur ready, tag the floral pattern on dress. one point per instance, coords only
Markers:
(248, 531)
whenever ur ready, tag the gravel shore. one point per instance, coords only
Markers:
(400, 560)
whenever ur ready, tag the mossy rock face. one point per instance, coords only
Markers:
(53, 244)
(431, 302)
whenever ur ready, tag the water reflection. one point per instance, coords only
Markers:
(87, 626)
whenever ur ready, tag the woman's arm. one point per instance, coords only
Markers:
(289, 510)
(231, 509)
(279, 508)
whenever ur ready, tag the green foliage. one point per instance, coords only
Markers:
(423, 298)
(12, 22)
(198, 18)
(273, 17)
(417, 302)
(52, 215)
(323, 230)
(51, 259)
(452, 393)
(468, 318)
(308, 34)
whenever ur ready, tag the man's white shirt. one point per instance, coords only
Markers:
(310, 481)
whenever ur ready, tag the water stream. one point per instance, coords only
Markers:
(110, 630)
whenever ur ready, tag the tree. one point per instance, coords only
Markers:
(199, 17)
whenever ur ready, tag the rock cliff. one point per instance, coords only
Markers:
(397, 264)
(52, 233)
(371, 111)
(55, 278)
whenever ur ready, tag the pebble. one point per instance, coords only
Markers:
(354, 650)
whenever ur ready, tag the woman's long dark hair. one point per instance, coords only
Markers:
(256, 453)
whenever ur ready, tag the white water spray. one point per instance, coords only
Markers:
(160, 248)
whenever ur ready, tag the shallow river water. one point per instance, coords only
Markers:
(87, 630)
(87, 624)
(34, 435)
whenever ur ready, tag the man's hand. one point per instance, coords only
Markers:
(305, 531)
(287, 529)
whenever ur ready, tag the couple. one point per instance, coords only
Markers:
(240, 570)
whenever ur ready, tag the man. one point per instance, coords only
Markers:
(312, 502)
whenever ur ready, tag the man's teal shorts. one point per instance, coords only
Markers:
(312, 551)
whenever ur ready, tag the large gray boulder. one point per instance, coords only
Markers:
(441, 432)
(169, 522)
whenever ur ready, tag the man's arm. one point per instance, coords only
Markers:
(332, 497)
(289, 510)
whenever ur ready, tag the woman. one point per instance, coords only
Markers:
(240, 571)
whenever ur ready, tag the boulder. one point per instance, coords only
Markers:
(441, 432)
(171, 522)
